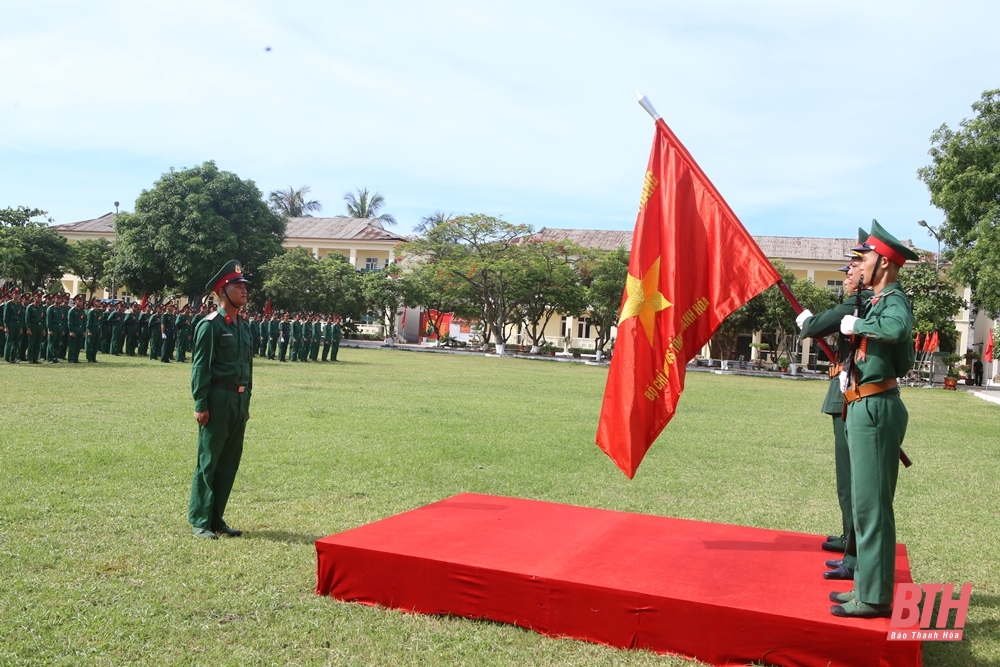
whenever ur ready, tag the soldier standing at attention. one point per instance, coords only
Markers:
(198, 317)
(221, 383)
(184, 331)
(327, 333)
(144, 317)
(882, 349)
(285, 336)
(307, 337)
(33, 327)
(273, 334)
(13, 324)
(64, 309)
(168, 333)
(107, 310)
(335, 339)
(296, 337)
(76, 322)
(155, 336)
(3, 329)
(132, 329)
(56, 325)
(815, 326)
(254, 332)
(116, 323)
(95, 318)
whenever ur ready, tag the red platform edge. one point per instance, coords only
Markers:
(720, 593)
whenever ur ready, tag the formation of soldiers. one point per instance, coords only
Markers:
(50, 328)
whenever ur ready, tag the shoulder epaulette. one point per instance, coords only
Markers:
(211, 316)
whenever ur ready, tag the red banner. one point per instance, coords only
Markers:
(916, 343)
(692, 264)
(988, 354)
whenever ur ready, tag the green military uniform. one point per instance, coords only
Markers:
(317, 336)
(95, 321)
(221, 384)
(285, 327)
(55, 323)
(13, 321)
(168, 335)
(76, 322)
(115, 322)
(183, 336)
(296, 338)
(327, 334)
(106, 329)
(876, 425)
(64, 339)
(254, 335)
(34, 326)
(307, 339)
(144, 320)
(820, 325)
(334, 341)
(131, 325)
(273, 335)
(262, 341)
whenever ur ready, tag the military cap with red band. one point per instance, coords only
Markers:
(886, 245)
(232, 272)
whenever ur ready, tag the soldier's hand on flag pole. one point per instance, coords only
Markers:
(802, 317)
(847, 324)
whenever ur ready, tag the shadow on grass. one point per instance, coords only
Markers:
(286, 536)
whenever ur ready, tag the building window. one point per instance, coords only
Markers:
(834, 285)
(562, 329)
(583, 328)
(372, 264)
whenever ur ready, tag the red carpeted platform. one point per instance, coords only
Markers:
(723, 594)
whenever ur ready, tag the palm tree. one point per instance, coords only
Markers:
(366, 205)
(292, 202)
(429, 222)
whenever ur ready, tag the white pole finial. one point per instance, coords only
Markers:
(647, 105)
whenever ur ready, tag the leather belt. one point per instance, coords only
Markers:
(835, 369)
(870, 389)
(237, 388)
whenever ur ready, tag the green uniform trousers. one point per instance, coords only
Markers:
(334, 349)
(73, 349)
(52, 352)
(34, 344)
(12, 348)
(117, 340)
(183, 344)
(93, 344)
(875, 429)
(272, 347)
(220, 448)
(842, 462)
(155, 342)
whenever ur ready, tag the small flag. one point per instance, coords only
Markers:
(988, 354)
(916, 343)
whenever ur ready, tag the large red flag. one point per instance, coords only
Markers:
(934, 342)
(988, 354)
(916, 344)
(692, 264)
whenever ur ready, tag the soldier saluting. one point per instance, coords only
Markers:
(221, 383)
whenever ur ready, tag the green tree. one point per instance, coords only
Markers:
(192, 222)
(383, 296)
(21, 216)
(482, 251)
(91, 260)
(964, 182)
(366, 205)
(431, 221)
(437, 291)
(292, 203)
(553, 285)
(31, 253)
(935, 300)
(297, 281)
(605, 276)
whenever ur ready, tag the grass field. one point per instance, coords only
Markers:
(98, 567)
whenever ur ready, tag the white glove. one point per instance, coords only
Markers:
(803, 316)
(847, 324)
(844, 381)
(164, 336)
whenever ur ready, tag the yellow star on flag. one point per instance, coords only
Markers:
(644, 299)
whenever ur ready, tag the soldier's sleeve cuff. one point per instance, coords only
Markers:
(201, 406)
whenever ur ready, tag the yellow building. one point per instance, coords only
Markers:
(365, 243)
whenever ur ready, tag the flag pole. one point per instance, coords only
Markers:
(648, 106)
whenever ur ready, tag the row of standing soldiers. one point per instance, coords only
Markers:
(46, 327)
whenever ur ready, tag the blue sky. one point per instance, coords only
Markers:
(810, 117)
